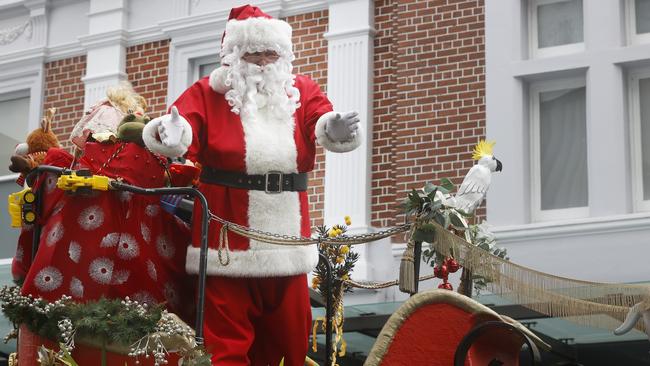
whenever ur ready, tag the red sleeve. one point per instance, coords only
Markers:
(191, 105)
(314, 104)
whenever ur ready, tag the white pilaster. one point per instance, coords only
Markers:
(106, 45)
(181, 8)
(349, 87)
(38, 18)
(606, 110)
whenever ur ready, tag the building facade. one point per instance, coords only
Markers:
(559, 84)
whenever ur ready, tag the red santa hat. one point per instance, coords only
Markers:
(252, 30)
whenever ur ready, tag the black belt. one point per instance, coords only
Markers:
(271, 182)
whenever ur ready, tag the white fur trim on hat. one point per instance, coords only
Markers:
(150, 138)
(331, 145)
(274, 262)
(257, 35)
(218, 80)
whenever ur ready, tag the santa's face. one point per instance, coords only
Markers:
(262, 79)
(261, 58)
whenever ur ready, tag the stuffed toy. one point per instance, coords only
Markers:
(101, 121)
(130, 129)
(30, 154)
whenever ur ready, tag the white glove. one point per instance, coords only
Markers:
(168, 135)
(170, 128)
(344, 127)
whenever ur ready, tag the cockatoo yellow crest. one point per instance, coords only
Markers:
(483, 148)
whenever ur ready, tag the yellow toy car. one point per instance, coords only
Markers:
(21, 207)
(82, 180)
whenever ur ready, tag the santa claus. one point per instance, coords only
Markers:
(253, 126)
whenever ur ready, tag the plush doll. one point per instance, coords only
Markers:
(101, 121)
(130, 129)
(30, 154)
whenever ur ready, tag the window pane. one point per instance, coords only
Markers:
(642, 10)
(15, 113)
(644, 95)
(206, 69)
(563, 149)
(559, 23)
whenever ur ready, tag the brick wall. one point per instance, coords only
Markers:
(430, 88)
(64, 90)
(310, 48)
(384, 117)
(146, 69)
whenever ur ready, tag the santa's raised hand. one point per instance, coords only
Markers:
(168, 135)
(342, 127)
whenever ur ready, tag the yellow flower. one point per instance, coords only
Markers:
(314, 286)
(345, 277)
(340, 260)
(348, 220)
(339, 232)
(333, 233)
(345, 249)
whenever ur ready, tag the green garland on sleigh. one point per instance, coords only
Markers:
(139, 329)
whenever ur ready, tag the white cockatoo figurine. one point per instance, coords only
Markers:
(638, 311)
(477, 181)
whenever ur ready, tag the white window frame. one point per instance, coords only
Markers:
(636, 159)
(633, 37)
(537, 52)
(184, 49)
(21, 93)
(198, 62)
(24, 79)
(537, 213)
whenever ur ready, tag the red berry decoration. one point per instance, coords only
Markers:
(436, 272)
(446, 286)
(443, 272)
(452, 265)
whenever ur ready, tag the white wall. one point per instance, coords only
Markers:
(589, 248)
(67, 21)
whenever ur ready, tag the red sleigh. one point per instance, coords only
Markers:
(466, 332)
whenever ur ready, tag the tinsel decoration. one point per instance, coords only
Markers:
(342, 260)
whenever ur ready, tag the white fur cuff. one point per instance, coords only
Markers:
(274, 262)
(150, 138)
(218, 80)
(331, 145)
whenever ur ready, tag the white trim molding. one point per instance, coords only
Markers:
(535, 51)
(572, 228)
(633, 37)
(536, 89)
(636, 144)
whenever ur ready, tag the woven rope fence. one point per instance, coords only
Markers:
(596, 304)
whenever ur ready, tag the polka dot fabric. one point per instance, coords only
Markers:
(91, 249)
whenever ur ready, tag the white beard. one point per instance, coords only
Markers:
(256, 87)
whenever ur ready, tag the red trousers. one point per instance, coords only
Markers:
(257, 321)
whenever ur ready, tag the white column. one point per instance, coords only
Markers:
(349, 87)
(106, 45)
(506, 119)
(607, 133)
(181, 8)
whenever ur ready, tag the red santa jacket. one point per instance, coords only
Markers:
(254, 145)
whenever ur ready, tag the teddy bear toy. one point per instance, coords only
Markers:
(31, 153)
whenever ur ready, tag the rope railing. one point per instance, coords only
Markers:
(289, 240)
